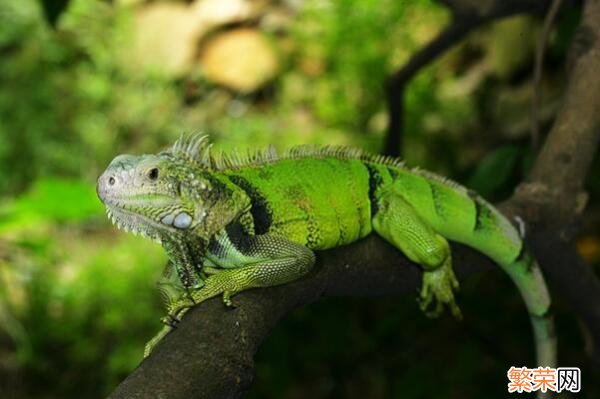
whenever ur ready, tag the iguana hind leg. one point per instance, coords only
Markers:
(398, 222)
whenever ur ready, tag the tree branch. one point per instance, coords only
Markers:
(570, 147)
(396, 84)
(553, 199)
(538, 65)
(211, 354)
(467, 16)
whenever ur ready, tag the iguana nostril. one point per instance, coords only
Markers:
(111, 181)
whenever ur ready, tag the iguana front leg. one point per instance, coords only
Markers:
(181, 274)
(169, 285)
(185, 258)
(245, 262)
(171, 289)
(249, 262)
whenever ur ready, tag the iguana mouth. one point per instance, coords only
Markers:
(137, 224)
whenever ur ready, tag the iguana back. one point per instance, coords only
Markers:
(323, 198)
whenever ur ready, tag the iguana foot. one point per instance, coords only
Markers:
(227, 299)
(170, 321)
(226, 283)
(178, 308)
(438, 290)
(150, 345)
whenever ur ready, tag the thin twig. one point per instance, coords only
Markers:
(467, 15)
(447, 38)
(537, 72)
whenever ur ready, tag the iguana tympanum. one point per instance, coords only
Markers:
(229, 222)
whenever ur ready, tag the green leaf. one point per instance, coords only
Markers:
(494, 171)
(53, 200)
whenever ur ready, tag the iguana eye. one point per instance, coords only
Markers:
(153, 174)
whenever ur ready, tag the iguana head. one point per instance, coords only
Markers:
(156, 195)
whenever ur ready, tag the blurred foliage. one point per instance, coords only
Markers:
(77, 299)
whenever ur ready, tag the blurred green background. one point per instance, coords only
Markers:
(84, 80)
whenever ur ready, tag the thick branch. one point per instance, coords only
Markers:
(553, 199)
(571, 145)
(211, 354)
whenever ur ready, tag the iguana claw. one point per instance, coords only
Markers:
(170, 320)
(438, 290)
(150, 345)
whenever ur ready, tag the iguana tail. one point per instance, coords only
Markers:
(497, 237)
(527, 276)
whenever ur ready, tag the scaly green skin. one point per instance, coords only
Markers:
(232, 223)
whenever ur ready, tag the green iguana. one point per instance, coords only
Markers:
(229, 222)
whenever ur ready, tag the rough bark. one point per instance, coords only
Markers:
(211, 354)
(553, 199)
